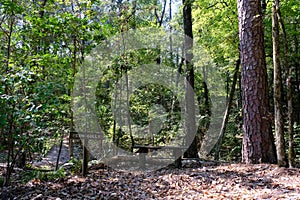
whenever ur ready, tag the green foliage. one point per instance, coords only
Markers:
(41, 51)
(216, 29)
(232, 145)
(76, 165)
(50, 176)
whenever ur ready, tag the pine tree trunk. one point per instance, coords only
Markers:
(257, 138)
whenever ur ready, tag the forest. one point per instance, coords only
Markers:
(150, 99)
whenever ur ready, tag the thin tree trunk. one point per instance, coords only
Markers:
(127, 86)
(10, 116)
(190, 121)
(297, 77)
(278, 114)
(297, 74)
(85, 152)
(128, 112)
(227, 111)
(115, 133)
(74, 63)
(291, 153)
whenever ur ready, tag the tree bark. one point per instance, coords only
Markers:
(257, 139)
(297, 72)
(278, 113)
(291, 153)
(190, 121)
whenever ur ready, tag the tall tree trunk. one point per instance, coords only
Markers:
(278, 114)
(127, 110)
(190, 122)
(72, 128)
(257, 138)
(10, 116)
(297, 72)
(291, 153)
(297, 84)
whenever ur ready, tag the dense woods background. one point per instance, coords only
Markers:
(45, 42)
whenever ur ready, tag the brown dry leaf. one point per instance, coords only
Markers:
(226, 181)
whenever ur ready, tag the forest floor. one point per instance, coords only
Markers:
(193, 181)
